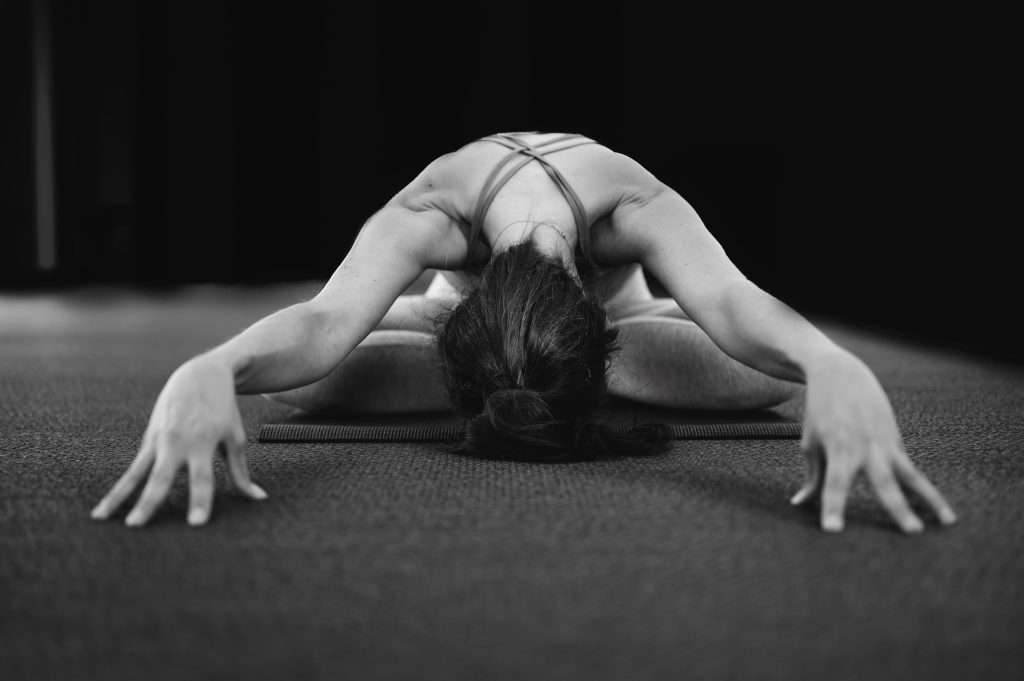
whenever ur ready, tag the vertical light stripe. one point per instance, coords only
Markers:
(42, 138)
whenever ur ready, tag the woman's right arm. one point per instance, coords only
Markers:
(303, 343)
(196, 414)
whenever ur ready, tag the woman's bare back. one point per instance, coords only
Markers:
(454, 182)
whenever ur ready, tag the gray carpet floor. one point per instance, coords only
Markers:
(402, 561)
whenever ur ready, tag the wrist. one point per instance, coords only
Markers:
(217, 361)
(828, 362)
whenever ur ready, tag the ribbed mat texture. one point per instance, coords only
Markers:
(328, 432)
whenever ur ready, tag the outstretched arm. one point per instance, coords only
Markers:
(848, 426)
(303, 343)
(196, 415)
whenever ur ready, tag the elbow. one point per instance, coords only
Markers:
(323, 320)
(719, 312)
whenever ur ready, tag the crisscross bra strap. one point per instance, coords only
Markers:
(493, 184)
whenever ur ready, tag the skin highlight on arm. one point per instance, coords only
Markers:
(303, 343)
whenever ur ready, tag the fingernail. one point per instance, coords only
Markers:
(832, 523)
(196, 516)
(97, 513)
(258, 492)
(947, 516)
(795, 499)
(913, 525)
(133, 520)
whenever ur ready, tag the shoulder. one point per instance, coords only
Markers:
(436, 179)
(635, 183)
(630, 186)
(423, 218)
(448, 183)
(637, 214)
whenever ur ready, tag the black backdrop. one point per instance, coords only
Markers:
(845, 163)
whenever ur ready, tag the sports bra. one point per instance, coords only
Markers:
(520, 149)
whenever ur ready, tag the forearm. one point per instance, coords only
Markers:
(761, 331)
(287, 349)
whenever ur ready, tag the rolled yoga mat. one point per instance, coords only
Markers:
(684, 425)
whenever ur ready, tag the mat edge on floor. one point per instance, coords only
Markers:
(309, 432)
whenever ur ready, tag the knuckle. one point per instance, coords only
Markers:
(888, 489)
(834, 489)
(897, 505)
(839, 470)
(202, 476)
(201, 497)
(835, 486)
(119, 489)
(173, 433)
(832, 505)
(160, 478)
(916, 479)
(884, 453)
(907, 467)
(145, 503)
(240, 471)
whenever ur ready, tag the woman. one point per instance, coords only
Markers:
(539, 308)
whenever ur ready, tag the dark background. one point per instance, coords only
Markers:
(854, 166)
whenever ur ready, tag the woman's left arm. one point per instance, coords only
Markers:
(848, 426)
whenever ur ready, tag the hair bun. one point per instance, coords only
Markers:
(516, 423)
(519, 424)
(513, 408)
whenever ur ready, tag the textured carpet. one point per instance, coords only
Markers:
(400, 561)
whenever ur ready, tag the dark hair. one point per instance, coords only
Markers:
(525, 357)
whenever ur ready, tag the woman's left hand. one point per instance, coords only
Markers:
(849, 426)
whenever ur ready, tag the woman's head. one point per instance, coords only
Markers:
(525, 357)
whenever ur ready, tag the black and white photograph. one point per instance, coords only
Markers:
(616, 341)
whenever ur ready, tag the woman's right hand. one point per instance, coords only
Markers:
(195, 417)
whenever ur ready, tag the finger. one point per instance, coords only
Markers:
(200, 478)
(838, 476)
(160, 479)
(125, 485)
(238, 469)
(889, 493)
(915, 480)
(812, 479)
